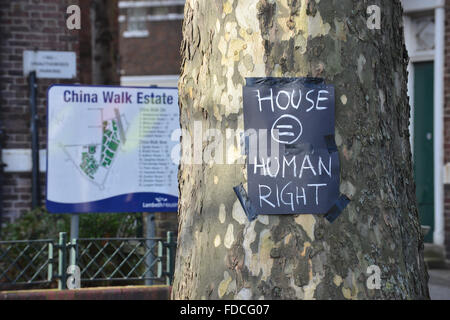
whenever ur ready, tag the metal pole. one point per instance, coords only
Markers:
(35, 190)
(62, 261)
(74, 226)
(171, 249)
(73, 252)
(50, 262)
(149, 244)
(74, 235)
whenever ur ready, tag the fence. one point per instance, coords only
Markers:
(104, 261)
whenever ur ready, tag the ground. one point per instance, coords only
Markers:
(439, 284)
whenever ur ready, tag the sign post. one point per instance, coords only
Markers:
(110, 150)
(35, 186)
(74, 226)
(149, 234)
(49, 65)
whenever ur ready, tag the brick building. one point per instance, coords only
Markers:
(427, 35)
(38, 25)
(27, 25)
(150, 40)
(41, 25)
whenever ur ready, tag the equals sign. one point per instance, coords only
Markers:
(285, 134)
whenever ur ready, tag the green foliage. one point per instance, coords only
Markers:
(113, 225)
(39, 224)
(36, 224)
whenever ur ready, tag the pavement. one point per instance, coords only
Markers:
(439, 284)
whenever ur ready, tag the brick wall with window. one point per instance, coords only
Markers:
(157, 54)
(41, 25)
(27, 25)
(150, 41)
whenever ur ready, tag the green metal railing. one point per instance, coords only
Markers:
(26, 262)
(102, 261)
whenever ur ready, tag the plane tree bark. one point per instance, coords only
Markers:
(223, 256)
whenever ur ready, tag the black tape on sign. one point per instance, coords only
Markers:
(272, 81)
(242, 195)
(337, 209)
(293, 149)
(331, 144)
(244, 142)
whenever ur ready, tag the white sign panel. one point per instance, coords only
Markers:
(110, 149)
(50, 64)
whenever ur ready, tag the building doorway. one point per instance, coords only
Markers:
(424, 143)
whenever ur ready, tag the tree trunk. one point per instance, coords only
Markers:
(223, 256)
(104, 24)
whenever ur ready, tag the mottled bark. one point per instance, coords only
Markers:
(220, 254)
(104, 41)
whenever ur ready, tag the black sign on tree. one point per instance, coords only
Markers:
(292, 159)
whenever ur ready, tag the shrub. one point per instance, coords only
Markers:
(39, 224)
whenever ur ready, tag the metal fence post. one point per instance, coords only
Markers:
(171, 250)
(50, 262)
(62, 261)
(149, 244)
(160, 272)
(74, 252)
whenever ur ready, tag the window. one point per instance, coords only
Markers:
(136, 23)
(136, 14)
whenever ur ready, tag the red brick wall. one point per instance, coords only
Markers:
(27, 25)
(17, 194)
(447, 126)
(120, 293)
(158, 54)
